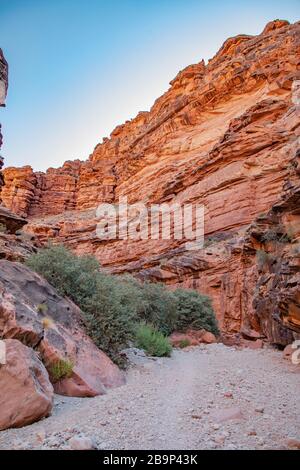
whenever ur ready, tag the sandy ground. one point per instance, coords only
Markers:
(182, 403)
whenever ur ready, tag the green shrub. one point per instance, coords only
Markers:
(270, 235)
(264, 259)
(109, 314)
(112, 306)
(194, 311)
(184, 343)
(61, 369)
(277, 236)
(273, 235)
(158, 307)
(42, 308)
(152, 341)
(69, 274)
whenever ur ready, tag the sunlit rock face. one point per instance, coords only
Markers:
(225, 135)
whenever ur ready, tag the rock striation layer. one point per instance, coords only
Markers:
(225, 135)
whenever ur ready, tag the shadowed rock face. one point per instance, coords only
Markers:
(12, 222)
(277, 293)
(10, 248)
(3, 78)
(224, 135)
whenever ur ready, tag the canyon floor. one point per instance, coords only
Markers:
(184, 402)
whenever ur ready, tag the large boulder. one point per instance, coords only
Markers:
(26, 392)
(32, 312)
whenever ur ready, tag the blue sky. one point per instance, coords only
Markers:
(78, 68)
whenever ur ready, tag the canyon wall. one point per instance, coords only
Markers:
(225, 135)
(3, 91)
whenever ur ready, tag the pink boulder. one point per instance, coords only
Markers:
(32, 312)
(92, 370)
(179, 340)
(192, 338)
(208, 338)
(26, 392)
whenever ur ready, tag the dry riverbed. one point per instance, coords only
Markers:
(209, 397)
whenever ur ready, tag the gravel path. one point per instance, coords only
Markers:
(182, 403)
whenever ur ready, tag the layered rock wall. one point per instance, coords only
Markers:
(224, 135)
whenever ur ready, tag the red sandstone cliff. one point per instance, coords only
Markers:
(226, 135)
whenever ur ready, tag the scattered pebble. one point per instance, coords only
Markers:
(209, 397)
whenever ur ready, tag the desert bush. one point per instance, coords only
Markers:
(184, 343)
(71, 275)
(264, 259)
(112, 306)
(194, 311)
(42, 308)
(270, 235)
(152, 302)
(152, 341)
(61, 369)
(273, 235)
(158, 307)
(109, 315)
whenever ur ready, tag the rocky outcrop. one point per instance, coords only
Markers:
(3, 91)
(277, 293)
(25, 192)
(3, 78)
(224, 135)
(9, 221)
(33, 313)
(26, 392)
